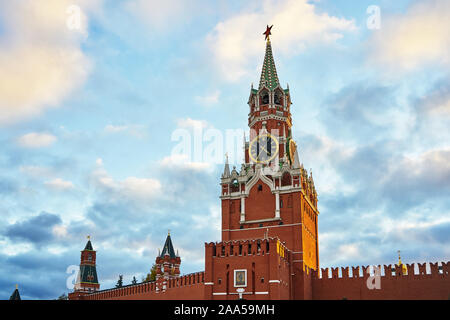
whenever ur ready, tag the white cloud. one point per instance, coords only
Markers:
(437, 103)
(131, 188)
(348, 251)
(182, 161)
(211, 220)
(209, 99)
(36, 140)
(60, 231)
(420, 36)
(141, 188)
(36, 171)
(318, 150)
(40, 58)
(237, 41)
(189, 123)
(134, 129)
(59, 184)
(14, 248)
(114, 129)
(162, 15)
(429, 169)
(441, 109)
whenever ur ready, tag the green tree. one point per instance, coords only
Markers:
(152, 275)
(120, 281)
(134, 281)
(63, 297)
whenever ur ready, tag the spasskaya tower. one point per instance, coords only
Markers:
(272, 195)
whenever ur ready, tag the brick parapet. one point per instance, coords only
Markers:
(422, 281)
(162, 288)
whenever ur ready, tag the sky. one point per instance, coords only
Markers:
(94, 95)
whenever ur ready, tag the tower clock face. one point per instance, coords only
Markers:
(263, 148)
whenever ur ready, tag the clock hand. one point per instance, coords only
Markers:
(259, 154)
(267, 152)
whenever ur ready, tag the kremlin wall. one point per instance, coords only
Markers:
(420, 281)
(270, 241)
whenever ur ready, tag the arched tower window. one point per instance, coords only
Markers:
(278, 97)
(234, 186)
(265, 97)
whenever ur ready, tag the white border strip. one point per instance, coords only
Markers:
(277, 226)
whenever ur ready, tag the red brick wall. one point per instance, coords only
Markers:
(189, 292)
(268, 274)
(188, 287)
(259, 204)
(415, 285)
(308, 284)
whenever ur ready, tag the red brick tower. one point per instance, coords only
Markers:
(272, 195)
(87, 281)
(167, 262)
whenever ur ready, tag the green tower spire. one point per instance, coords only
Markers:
(269, 76)
(168, 248)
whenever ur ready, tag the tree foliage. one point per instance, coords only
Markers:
(120, 281)
(152, 275)
(63, 297)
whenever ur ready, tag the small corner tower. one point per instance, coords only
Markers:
(167, 262)
(87, 276)
(16, 294)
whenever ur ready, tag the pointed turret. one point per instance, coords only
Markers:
(296, 164)
(226, 170)
(87, 280)
(168, 248)
(167, 262)
(16, 294)
(269, 76)
(88, 245)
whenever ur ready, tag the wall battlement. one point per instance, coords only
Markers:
(150, 289)
(248, 247)
(427, 269)
(420, 281)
